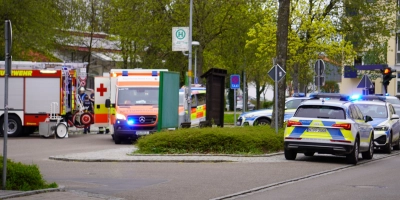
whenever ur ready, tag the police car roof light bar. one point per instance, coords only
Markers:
(370, 97)
(341, 97)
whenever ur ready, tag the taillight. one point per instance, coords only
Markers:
(291, 123)
(345, 126)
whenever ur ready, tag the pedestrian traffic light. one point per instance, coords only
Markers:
(387, 75)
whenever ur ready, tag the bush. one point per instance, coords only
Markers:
(267, 104)
(237, 140)
(24, 177)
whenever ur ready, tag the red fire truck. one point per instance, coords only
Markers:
(33, 90)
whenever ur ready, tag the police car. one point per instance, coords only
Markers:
(329, 124)
(263, 117)
(385, 122)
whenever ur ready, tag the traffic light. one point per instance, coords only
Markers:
(387, 75)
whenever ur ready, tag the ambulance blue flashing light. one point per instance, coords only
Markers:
(130, 122)
(154, 73)
(124, 73)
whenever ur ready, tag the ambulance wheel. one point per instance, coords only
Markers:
(61, 130)
(290, 154)
(117, 140)
(14, 126)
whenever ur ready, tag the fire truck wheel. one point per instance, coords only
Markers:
(61, 130)
(14, 126)
(86, 119)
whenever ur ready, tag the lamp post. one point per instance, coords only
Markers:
(195, 43)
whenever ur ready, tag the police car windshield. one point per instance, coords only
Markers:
(128, 96)
(393, 100)
(375, 111)
(320, 111)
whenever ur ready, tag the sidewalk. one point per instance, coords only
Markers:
(123, 154)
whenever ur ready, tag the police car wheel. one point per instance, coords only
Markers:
(263, 122)
(388, 147)
(352, 158)
(309, 153)
(370, 153)
(290, 154)
(397, 147)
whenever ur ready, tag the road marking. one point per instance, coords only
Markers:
(307, 177)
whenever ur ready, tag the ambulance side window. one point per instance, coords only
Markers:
(201, 99)
(194, 101)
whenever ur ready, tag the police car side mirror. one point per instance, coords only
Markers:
(395, 116)
(368, 118)
(108, 103)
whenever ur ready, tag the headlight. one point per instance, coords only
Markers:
(381, 128)
(120, 116)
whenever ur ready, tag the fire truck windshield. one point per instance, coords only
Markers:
(129, 96)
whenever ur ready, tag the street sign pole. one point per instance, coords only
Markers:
(234, 104)
(7, 69)
(276, 100)
(318, 76)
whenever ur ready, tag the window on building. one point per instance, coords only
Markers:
(398, 83)
(398, 49)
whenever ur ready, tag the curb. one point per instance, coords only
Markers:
(199, 158)
(28, 193)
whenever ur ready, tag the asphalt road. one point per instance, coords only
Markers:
(155, 180)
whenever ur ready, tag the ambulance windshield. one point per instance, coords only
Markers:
(129, 96)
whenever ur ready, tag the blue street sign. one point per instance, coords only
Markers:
(235, 81)
(365, 82)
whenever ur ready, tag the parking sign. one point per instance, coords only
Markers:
(235, 81)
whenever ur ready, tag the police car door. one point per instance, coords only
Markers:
(363, 127)
(394, 122)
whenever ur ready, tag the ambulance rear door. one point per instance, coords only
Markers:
(102, 92)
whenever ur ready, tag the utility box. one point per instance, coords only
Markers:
(215, 96)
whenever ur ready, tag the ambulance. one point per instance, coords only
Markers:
(126, 100)
(34, 89)
(198, 104)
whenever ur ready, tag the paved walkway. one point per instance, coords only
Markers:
(122, 154)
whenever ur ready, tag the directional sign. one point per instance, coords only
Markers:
(281, 73)
(180, 38)
(320, 64)
(365, 82)
(235, 81)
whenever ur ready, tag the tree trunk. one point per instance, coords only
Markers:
(281, 54)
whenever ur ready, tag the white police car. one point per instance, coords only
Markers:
(263, 117)
(335, 126)
(385, 122)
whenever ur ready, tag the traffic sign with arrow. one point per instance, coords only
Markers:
(281, 73)
(365, 82)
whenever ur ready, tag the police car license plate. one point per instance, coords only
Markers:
(142, 132)
(316, 129)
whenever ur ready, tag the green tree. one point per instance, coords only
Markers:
(35, 25)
